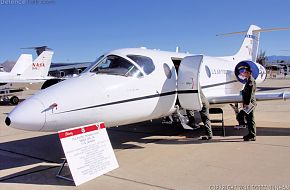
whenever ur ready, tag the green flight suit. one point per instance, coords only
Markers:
(248, 94)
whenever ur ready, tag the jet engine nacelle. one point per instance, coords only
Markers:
(258, 71)
(50, 82)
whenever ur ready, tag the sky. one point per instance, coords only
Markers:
(82, 30)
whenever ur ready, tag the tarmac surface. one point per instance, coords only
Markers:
(156, 156)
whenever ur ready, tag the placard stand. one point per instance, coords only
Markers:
(58, 175)
(88, 153)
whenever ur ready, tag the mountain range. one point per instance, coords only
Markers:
(7, 65)
(278, 57)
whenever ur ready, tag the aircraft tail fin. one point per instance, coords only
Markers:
(22, 64)
(250, 46)
(40, 66)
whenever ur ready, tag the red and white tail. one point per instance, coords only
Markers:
(40, 66)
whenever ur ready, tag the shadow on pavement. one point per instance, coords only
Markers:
(47, 148)
(38, 175)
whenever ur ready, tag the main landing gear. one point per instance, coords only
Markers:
(14, 100)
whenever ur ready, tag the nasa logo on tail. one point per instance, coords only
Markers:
(37, 66)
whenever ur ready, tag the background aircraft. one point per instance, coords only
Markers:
(25, 74)
(133, 85)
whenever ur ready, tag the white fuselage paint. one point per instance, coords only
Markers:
(118, 100)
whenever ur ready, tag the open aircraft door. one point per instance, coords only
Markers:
(188, 83)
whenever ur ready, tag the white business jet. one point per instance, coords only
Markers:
(25, 74)
(133, 85)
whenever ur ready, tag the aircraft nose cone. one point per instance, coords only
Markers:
(29, 115)
(7, 121)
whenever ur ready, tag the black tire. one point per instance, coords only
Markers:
(14, 100)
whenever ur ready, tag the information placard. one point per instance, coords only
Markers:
(88, 151)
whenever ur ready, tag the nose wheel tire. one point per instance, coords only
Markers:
(14, 100)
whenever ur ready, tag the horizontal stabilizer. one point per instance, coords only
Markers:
(254, 31)
(39, 49)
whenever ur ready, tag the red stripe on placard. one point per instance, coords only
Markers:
(80, 130)
(102, 125)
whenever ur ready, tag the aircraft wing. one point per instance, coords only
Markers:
(22, 81)
(237, 98)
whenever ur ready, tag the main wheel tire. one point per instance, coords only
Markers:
(14, 100)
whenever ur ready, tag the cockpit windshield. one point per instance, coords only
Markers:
(116, 65)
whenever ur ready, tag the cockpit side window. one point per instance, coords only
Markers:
(144, 62)
(116, 65)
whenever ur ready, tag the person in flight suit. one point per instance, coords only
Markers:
(204, 113)
(248, 94)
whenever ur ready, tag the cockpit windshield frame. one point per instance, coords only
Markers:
(94, 64)
(145, 63)
(116, 65)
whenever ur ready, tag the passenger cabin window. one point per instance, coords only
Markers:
(144, 62)
(116, 65)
